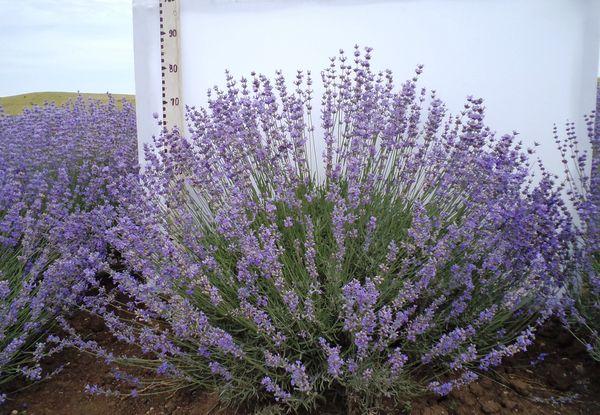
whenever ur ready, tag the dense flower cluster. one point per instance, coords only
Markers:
(59, 171)
(419, 253)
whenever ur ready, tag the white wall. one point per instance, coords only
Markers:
(535, 62)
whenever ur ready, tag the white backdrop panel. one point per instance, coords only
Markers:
(535, 62)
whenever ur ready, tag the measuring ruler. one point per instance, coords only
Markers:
(170, 60)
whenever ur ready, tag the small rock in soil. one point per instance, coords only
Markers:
(464, 396)
(489, 406)
(509, 403)
(519, 386)
(170, 406)
(476, 389)
(486, 383)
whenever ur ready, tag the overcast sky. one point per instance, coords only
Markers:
(66, 45)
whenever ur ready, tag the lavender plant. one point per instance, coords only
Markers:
(416, 258)
(58, 169)
(583, 191)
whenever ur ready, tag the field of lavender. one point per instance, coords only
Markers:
(425, 253)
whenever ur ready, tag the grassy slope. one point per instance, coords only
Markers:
(15, 104)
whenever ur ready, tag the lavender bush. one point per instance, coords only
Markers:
(417, 257)
(58, 170)
(583, 190)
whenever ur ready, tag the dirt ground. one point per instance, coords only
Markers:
(64, 393)
(556, 376)
(563, 380)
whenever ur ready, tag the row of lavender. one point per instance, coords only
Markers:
(422, 254)
(59, 167)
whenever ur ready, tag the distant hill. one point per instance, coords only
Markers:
(16, 103)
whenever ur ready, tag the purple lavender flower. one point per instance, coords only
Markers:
(397, 360)
(335, 363)
(272, 387)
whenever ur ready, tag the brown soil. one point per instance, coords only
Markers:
(63, 394)
(567, 381)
